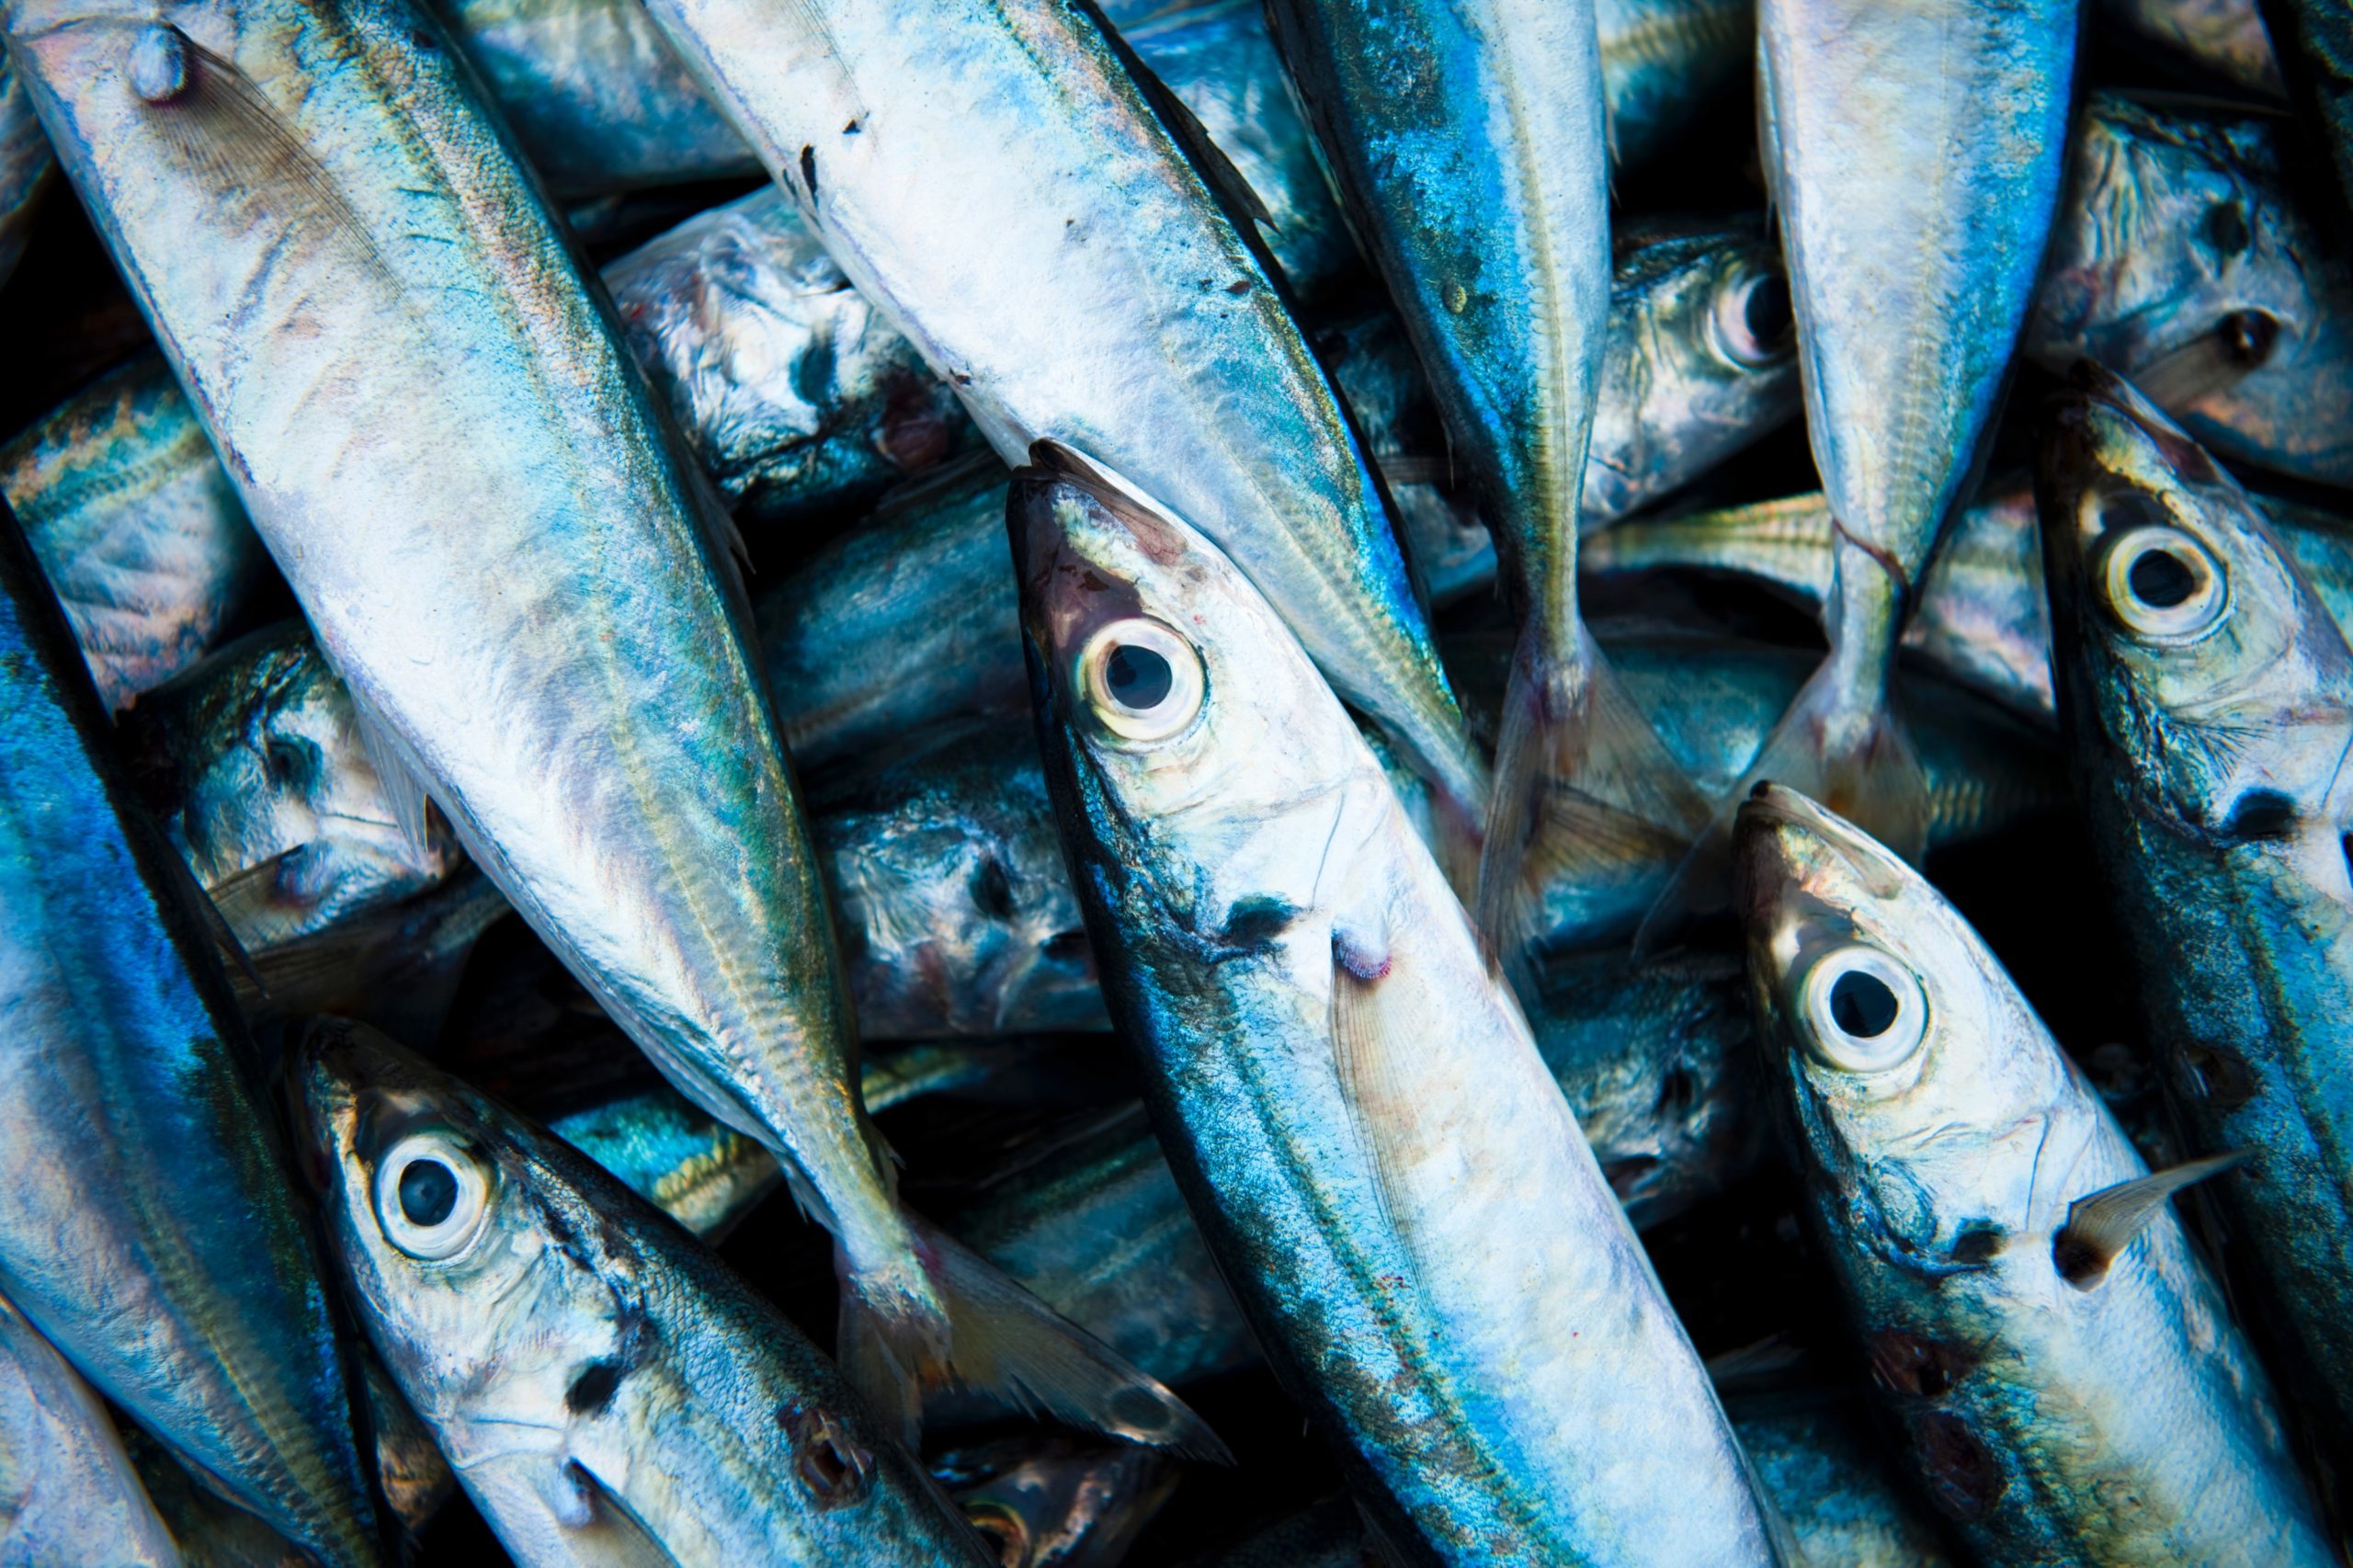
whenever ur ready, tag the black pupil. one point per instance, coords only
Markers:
(1138, 679)
(2161, 580)
(1766, 310)
(427, 1192)
(1862, 1005)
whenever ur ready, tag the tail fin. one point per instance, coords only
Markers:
(1584, 788)
(1008, 1342)
(1844, 747)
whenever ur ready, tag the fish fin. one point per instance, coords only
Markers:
(2100, 1225)
(250, 986)
(1008, 1342)
(1766, 1363)
(1865, 769)
(397, 770)
(1206, 158)
(429, 938)
(1365, 1054)
(1580, 777)
(562, 1511)
(220, 122)
(1417, 468)
(2214, 361)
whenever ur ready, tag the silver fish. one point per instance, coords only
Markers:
(797, 398)
(2207, 697)
(606, 1390)
(2206, 38)
(135, 524)
(67, 1490)
(24, 165)
(2182, 261)
(1116, 308)
(1055, 1502)
(1306, 1001)
(1915, 153)
(1662, 58)
(2067, 1377)
(1823, 1465)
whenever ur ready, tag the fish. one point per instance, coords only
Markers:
(1700, 363)
(2205, 39)
(25, 168)
(67, 1490)
(799, 402)
(957, 914)
(269, 794)
(1055, 1502)
(1983, 618)
(2313, 42)
(1120, 308)
(1329, 1534)
(2207, 700)
(149, 1231)
(135, 524)
(701, 1172)
(2065, 1375)
(1271, 929)
(1821, 1460)
(606, 1390)
(1915, 156)
(1661, 59)
(2184, 262)
(1466, 139)
(548, 640)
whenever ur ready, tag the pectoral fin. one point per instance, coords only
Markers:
(2102, 1224)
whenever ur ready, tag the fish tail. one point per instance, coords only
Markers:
(1584, 786)
(1007, 1342)
(1841, 743)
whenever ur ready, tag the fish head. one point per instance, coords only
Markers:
(1936, 1113)
(1058, 1500)
(268, 791)
(478, 1272)
(2200, 675)
(1212, 764)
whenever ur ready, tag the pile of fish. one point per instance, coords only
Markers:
(1407, 782)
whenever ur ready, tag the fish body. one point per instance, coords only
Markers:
(2183, 261)
(1662, 58)
(2207, 696)
(1915, 153)
(25, 166)
(798, 400)
(544, 634)
(1271, 927)
(606, 1390)
(2313, 40)
(1821, 1462)
(2059, 1407)
(137, 528)
(67, 1490)
(148, 1230)
(701, 1172)
(1117, 307)
(2211, 38)
(1057, 1504)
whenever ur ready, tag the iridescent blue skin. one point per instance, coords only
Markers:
(1818, 1455)
(1661, 59)
(148, 1229)
(2211, 762)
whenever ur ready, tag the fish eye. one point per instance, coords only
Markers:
(431, 1195)
(1142, 679)
(1864, 1012)
(1753, 322)
(2159, 582)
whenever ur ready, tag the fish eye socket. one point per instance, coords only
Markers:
(1753, 322)
(1142, 681)
(431, 1195)
(2159, 582)
(1864, 1012)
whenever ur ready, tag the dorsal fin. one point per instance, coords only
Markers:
(2100, 1225)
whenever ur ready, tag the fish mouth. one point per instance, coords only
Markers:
(2094, 388)
(1783, 837)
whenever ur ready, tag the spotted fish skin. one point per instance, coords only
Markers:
(148, 1231)
(1269, 933)
(2208, 736)
(2055, 1413)
(606, 1389)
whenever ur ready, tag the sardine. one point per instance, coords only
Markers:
(1466, 138)
(2207, 697)
(2067, 1379)
(67, 1492)
(701, 1172)
(1054, 1503)
(1117, 307)
(2205, 38)
(1700, 363)
(1662, 58)
(2182, 261)
(25, 166)
(135, 524)
(1819, 1458)
(1915, 153)
(148, 1231)
(546, 636)
(1300, 990)
(606, 1390)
